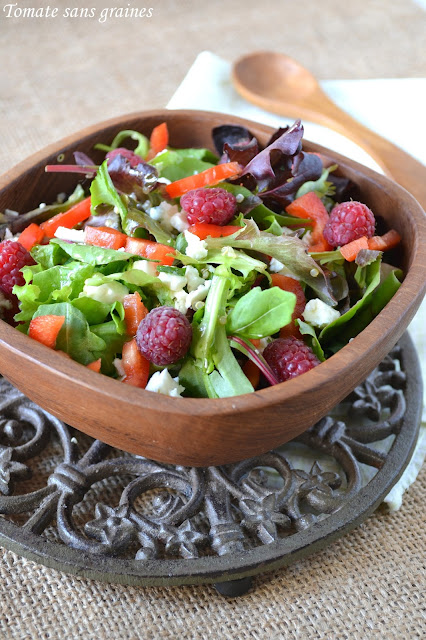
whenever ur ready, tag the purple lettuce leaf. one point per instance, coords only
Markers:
(231, 134)
(272, 166)
(139, 179)
(83, 159)
(306, 166)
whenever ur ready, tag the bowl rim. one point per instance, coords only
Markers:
(275, 395)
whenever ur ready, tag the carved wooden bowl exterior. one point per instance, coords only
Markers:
(193, 431)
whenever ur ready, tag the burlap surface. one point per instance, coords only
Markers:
(59, 75)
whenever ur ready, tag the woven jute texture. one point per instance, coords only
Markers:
(368, 585)
(61, 74)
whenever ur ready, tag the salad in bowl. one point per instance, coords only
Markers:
(199, 273)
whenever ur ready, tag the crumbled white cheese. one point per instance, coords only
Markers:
(318, 314)
(108, 292)
(163, 214)
(162, 382)
(70, 235)
(193, 278)
(180, 301)
(196, 248)
(118, 364)
(200, 293)
(172, 281)
(275, 265)
(179, 221)
(147, 266)
(239, 198)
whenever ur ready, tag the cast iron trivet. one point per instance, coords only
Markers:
(78, 505)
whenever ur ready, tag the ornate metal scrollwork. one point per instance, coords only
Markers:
(159, 511)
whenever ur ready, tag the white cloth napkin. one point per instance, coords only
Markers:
(391, 107)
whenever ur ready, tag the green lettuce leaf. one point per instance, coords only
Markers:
(259, 314)
(75, 336)
(287, 249)
(175, 164)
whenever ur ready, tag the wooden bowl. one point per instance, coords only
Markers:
(192, 431)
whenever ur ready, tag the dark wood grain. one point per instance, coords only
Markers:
(193, 431)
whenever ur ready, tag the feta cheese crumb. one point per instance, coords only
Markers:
(172, 281)
(196, 248)
(319, 314)
(118, 364)
(193, 278)
(163, 214)
(199, 294)
(147, 266)
(70, 235)
(109, 292)
(275, 265)
(179, 221)
(162, 382)
(239, 197)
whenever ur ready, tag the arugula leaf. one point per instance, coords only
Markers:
(142, 146)
(306, 330)
(102, 191)
(113, 340)
(259, 314)
(287, 249)
(373, 301)
(335, 330)
(192, 378)
(211, 346)
(75, 336)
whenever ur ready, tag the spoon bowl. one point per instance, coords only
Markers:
(277, 83)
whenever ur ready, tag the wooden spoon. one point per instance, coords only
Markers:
(277, 83)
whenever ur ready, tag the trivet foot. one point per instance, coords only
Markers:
(233, 588)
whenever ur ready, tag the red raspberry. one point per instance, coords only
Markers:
(289, 357)
(349, 221)
(164, 335)
(213, 206)
(13, 256)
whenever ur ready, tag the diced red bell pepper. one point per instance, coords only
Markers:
(95, 365)
(350, 250)
(252, 372)
(151, 250)
(311, 206)
(105, 237)
(387, 241)
(290, 284)
(207, 178)
(203, 229)
(45, 329)
(69, 219)
(135, 365)
(158, 141)
(134, 312)
(31, 236)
